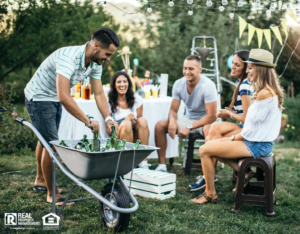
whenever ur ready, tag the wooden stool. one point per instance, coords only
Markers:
(264, 188)
(190, 162)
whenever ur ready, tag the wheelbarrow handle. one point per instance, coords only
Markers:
(20, 120)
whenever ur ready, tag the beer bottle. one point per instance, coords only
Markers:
(84, 140)
(114, 137)
(108, 144)
(102, 150)
(62, 142)
(121, 146)
(86, 146)
(79, 145)
(95, 146)
(136, 145)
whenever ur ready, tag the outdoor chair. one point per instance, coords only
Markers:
(257, 193)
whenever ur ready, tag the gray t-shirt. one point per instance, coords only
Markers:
(204, 92)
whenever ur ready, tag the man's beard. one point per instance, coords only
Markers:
(98, 61)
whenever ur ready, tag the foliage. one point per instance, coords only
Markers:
(13, 136)
(174, 215)
(292, 109)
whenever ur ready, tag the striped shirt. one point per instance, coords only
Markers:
(68, 62)
(245, 89)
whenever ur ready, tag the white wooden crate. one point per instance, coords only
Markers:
(150, 183)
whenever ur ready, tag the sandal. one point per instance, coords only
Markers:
(209, 199)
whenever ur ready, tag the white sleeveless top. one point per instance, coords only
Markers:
(263, 121)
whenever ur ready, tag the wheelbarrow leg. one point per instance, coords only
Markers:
(53, 187)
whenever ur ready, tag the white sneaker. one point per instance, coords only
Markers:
(144, 165)
(161, 168)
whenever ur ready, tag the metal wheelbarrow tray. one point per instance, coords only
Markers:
(115, 198)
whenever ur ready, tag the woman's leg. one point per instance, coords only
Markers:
(125, 131)
(220, 129)
(142, 132)
(224, 149)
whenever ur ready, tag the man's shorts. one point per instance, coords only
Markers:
(45, 116)
(184, 122)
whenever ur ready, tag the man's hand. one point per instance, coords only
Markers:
(112, 123)
(184, 132)
(131, 118)
(95, 127)
(172, 128)
(224, 114)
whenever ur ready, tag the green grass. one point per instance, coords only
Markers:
(174, 215)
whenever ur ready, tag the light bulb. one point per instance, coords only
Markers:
(211, 63)
(104, 4)
(149, 9)
(268, 12)
(231, 15)
(209, 3)
(240, 3)
(171, 3)
(221, 8)
(224, 2)
(190, 11)
(57, 1)
(272, 7)
(189, 1)
(288, 7)
(257, 4)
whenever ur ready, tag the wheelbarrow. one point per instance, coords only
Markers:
(115, 198)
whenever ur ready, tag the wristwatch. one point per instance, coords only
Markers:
(232, 137)
(109, 118)
(190, 126)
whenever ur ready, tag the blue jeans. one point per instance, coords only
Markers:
(45, 117)
(259, 149)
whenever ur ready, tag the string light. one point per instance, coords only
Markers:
(171, 3)
(104, 4)
(224, 2)
(209, 3)
(240, 3)
(231, 15)
(257, 4)
(272, 7)
(57, 1)
(149, 9)
(190, 11)
(288, 7)
(268, 11)
(211, 63)
(189, 1)
(221, 8)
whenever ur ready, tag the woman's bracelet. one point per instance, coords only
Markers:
(231, 115)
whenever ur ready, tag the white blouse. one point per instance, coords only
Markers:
(263, 121)
(122, 113)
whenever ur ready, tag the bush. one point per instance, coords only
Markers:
(13, 136)
(292, 109)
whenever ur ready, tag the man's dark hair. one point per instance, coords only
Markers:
(194, 57)
(105, 37)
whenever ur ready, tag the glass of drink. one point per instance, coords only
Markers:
(147, 95)
(77, 95)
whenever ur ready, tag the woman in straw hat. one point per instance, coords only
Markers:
(261, 127)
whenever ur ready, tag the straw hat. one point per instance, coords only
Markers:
(261, 57)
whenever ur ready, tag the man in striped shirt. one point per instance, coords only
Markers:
(49, 89)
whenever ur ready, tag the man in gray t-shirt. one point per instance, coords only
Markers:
(200, 97)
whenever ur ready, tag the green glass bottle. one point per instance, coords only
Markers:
(102, 150)
(95, 146)
(62, 142)
(114, 137)
(84, 139)
(86, 146)
(136, 145)
(108, 144)
(121, 145)
(79, 145)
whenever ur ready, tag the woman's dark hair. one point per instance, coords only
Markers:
(243, 55)
(113, 93)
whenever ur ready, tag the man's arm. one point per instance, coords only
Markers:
(102, 102)
(173, 126)
(64, 97)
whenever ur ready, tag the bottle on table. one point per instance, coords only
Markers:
(114, 137)
(87, 89)
(83, 89)
(95, 146)
(136, 145)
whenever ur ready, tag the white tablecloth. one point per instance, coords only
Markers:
(154, 110)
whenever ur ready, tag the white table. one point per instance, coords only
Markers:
(154, 110)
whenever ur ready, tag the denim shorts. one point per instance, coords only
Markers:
(241, 124)
(45, 117)
(259, 149)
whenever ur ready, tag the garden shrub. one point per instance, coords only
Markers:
(292, 109)
(13, 136)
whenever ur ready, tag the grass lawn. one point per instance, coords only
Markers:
(175, 215)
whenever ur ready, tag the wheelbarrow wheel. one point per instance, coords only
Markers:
(112, 219)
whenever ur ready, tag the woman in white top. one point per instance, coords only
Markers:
(261, 127)
(127, 109)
